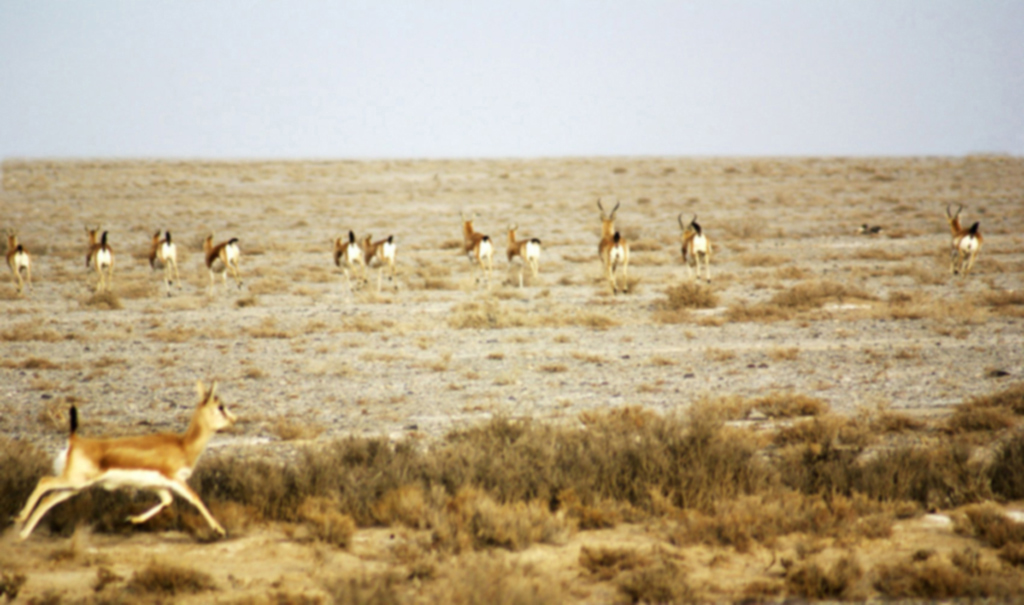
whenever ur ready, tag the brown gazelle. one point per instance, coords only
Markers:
(383, 254)
(18, 261)
(102, 257)
(160, 463)
(222, 258)
(613, 249)
(528, 250)
(348, 252)
(164, 254)
(478, 248)
(966, 243)
(696, 247)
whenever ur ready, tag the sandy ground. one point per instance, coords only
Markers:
(301, 354)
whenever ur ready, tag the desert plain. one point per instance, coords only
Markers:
(869, 331)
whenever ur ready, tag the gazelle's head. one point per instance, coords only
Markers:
(208, 243)
(212, 413)
(607, 219)
(91, 232)
(512, 232)
(12, 238)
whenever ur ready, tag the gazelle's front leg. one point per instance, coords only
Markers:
(182, 489)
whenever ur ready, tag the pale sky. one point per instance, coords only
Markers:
(520, 78)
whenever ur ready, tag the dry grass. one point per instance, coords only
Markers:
(789, 405)
(169, 580)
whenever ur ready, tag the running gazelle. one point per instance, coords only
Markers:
(478, 248)
(160, 463)
(613, 249)
(222, 258)
(696, 247)
(18, 261)
(528, 250)
(163, 253)
(101, 256)
(383, 253)
(966, 243)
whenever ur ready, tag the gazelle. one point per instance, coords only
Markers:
(383, 253)
(696, 247)
(160, 463)
(164, 253)
(966, 243)
(349, 253)
(102, 257)
(528, 250)
(18, 261)
(478, 248)
(613, 249)
(222, 258)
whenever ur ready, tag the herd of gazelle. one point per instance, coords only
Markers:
(355, 257)
(350, 253)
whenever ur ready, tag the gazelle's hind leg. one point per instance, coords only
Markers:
(165, 500)
(52, 499)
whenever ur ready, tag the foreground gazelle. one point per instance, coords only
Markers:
(383, 253)
(160, 463)
(349, 253)
(478, 248)
(222, 258)
(696, 247)
(102, 257)
(613, 249)
(164, 253)
(18, 261)
(528, 250)
(966, 243)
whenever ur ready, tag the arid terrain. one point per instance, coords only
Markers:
(800, 307)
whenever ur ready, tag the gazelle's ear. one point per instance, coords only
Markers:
(200, 390)
(213, 391)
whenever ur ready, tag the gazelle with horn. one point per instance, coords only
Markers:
(101, 256)
(478, 248)
(966, 242)
(164, 254)
(613, 249)
(222, 258)
(528, 250)
(160, 463)
(18, 261)
(696, 247)
(348, 252)
(383, 254)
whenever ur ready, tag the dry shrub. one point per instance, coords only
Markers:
(136, 289)
(172, 335)
(475, 519)
(287, 430)
(168, 579)
(268, 329)
(406, 505)
(1006, 473)
(811, 581)
(30, 330)
(761, 312)
(988, 523)
(971, 419)
(21, 467)
(605, 563)
(763, 519)
(10, 585)
(325, 522)
(940, 477)
(104, 300)
(377, 589)
(1010, 398)
(663, 581)
(689, 295)
(788, 404)
(784, 354)
(30, 363)
(811, 295)
(934, 579)
(485, 315)
(760, 259)
(1006, 302)
(489, 578)
(878, 254)
(268, 285)
(886, 421)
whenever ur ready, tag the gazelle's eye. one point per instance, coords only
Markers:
(220, 407)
